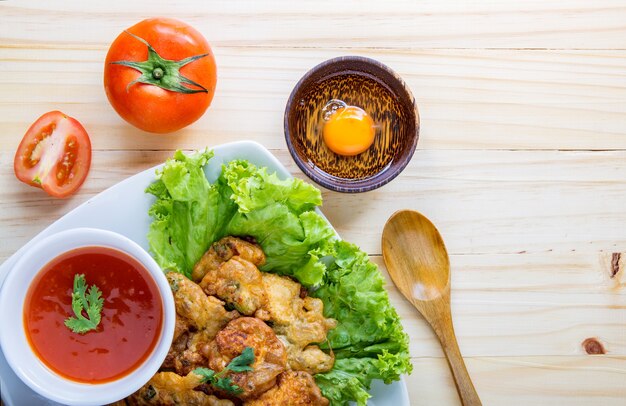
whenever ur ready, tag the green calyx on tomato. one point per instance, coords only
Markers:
(138, 78)
(162, 72)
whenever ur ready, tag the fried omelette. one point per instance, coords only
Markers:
(230, 305)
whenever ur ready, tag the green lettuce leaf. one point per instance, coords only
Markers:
(369, 322)
(341, 386)
(369, 341)
(190, 213)
(278, 214)
(286, 239)
(254, 188)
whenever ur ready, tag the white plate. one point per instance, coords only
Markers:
(123, 208)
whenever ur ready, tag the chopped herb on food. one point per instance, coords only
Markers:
(83, 301)
(243, 361)
(240, 363)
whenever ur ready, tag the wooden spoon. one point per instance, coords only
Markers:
(418, 263)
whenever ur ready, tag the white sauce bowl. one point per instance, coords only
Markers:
(17, 350)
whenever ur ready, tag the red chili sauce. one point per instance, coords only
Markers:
(132, 315)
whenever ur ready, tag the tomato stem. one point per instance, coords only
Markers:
(161, 72)
(157, 73)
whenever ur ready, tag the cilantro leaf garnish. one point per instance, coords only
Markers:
(240, 363)
(206, 374)
(227, 385)
(85, 301)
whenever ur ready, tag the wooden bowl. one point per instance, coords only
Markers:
(375, 88)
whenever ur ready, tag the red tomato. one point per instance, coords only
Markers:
(160, 75)
(55, 155)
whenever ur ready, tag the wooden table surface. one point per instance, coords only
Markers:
(521, 161)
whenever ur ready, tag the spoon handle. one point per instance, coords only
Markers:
(462, 380)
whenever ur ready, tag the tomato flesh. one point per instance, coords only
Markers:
(55, 155)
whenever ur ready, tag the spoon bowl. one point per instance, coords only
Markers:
(429, 277)
(418, 263)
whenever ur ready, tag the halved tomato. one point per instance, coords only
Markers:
(55, 155)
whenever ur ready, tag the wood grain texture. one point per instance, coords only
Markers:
(543, 304)
(326, 23)
(539, 201)
(522, 381)
(467, 99)
(521, 162)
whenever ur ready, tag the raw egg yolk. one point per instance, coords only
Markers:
(349, 131)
